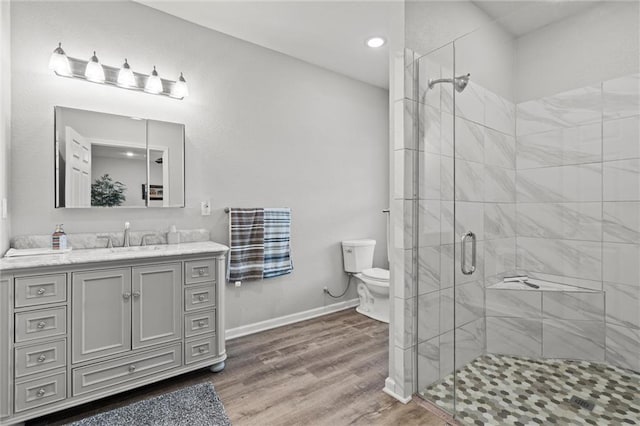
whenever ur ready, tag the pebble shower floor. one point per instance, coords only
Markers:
(507, 390)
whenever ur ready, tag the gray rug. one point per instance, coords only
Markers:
(196, 405)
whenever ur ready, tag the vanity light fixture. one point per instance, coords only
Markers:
(59, 63)
(123, 77)
(375, 42)
(180, 90)
(94, 71)
(154, 84)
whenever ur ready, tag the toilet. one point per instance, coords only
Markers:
(373, 283)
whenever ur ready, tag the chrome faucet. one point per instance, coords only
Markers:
(127, 239)
(143, 240)
(108, 238)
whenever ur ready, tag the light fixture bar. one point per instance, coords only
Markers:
(78, 67)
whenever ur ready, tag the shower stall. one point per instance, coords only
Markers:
(518, 185)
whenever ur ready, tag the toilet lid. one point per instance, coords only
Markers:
(376, 274)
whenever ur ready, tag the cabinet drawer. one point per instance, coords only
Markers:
(196, 350)
(42, 357)
(199, 297)
(40, 391)
(199, 271)
(30, 291)
(109, 373)
(200, 322)
(43, 323)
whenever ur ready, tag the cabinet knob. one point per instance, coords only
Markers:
(132, 368)
(136, 294)
(202, 323)
(41, 291)
(202, 297)
(126, 296)
(41, 392)
(42, 325)
(42, 358)
(202, 349)
(201, 271)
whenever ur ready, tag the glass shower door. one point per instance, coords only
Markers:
(436, 241)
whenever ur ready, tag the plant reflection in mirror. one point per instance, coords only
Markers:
(107, 193)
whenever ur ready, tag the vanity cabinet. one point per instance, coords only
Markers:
(117, 310)
(80, 331)
(101, 314)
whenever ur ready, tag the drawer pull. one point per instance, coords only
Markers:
(136, 294)
(40, 392)
(41, 291)
(201, 271)
(132, 368)
(202, 349)
(42, 325)
(202, 323)
(42, 358)
(126, 296)
(202, 297)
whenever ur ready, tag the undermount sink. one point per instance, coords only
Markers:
(136, 248)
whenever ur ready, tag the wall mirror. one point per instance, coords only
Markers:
(107, 160)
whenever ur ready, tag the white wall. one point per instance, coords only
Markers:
(597, 45)
(5, 117)
(262, 129)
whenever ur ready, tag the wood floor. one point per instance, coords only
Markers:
(325, 371)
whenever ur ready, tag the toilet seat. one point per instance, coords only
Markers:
(376, 274)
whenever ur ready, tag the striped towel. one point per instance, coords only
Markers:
(246, 238)
(277, 248)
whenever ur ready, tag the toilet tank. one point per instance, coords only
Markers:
(358, 254)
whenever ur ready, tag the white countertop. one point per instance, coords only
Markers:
(110, 254)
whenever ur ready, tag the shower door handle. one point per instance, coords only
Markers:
(463, 253)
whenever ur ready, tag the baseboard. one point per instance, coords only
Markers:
(389, 389)
(257, 327)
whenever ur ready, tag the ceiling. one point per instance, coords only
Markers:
(332, 33)
(119, 152)
(522, 17)
(329, 34)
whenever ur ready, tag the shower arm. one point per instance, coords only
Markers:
(438, 81)
(459, 82)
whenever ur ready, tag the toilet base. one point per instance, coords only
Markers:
(373, 305)
(374, 315)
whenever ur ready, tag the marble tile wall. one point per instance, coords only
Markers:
(578, 215)
(552, 324)
(404, 203)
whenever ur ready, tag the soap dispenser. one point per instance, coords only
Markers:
(59, 239)
(173, 237)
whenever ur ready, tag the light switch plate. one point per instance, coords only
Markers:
(205, 208)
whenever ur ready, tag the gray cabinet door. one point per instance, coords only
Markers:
(157, 304)
(101, 313)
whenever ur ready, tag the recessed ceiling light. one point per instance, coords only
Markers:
(376, 42)
(129, 154)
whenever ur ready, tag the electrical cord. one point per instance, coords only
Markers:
(326, 290)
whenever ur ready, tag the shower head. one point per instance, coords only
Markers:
(459, 83)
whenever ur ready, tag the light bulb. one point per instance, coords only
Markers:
(180, 89)
(94, 71)
(59, 63)
(125, 76)
(154, 84)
